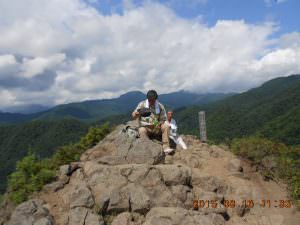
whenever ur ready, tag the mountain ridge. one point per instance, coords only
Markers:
(246, 113)
(93, 110)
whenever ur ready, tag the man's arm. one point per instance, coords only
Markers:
(135, 114)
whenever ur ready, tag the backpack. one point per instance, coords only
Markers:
(131, 132)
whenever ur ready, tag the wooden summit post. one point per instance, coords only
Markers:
(202, 126)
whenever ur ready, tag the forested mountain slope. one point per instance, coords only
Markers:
(271, 109)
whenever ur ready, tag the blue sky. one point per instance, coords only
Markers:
(285, 13)
(55, 52)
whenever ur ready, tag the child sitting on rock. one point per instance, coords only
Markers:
(173, 130)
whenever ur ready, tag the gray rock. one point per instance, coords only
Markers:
(240, 194)
(112, 160)
(169, 159)
(239, 175)
(179, 216)
(163, 197)
(54, 186)
(64, 179)
(184, 196)
(93, 219)
(103, 179)
(77, 216)
(235, 165)
(114, 142)
(138, 198)
(44, 221)
(64, 170)
(59, 184)
(212, 198)
(83, 216)
(145, 151)
(117, 148)
(127, 218)
(6, 208)
(31, 212)
(180, 192)
(204, 155)
(216, 151)
(81, 196)
(138, 186)
(209, 183)
(118, 201)
(153, 178)
(199, 193)
(175, 174)
(138, 173)
(122, 219)
(193, 160)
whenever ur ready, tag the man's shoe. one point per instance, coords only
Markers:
(168, 150)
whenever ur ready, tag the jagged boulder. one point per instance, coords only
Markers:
(83, 216)
(216, 151)
(117, 148)
(239, 194)
(208, 182)
(108, 145)
(31, 212)
(235, 165)
(139, 186)
(179, 216)
(127, 218)
(81, 196)
(145, 151)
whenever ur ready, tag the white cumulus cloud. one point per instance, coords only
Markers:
(54, 52)
(37, 65)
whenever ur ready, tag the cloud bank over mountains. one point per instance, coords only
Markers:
(59, 51)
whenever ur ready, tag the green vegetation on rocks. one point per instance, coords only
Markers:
(32, 172)
(30, 176)
(276, 159)
(1, 199)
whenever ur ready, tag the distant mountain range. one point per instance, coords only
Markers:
(26, 109)
(94, 110)
(271, 110)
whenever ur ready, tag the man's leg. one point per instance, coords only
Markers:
(143, 132)
(165, 129)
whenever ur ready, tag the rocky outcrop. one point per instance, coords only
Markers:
(117, 148)
(129, 181)
(83, 216)
(138, 187)
(178, 216)
(31, 212)
(127, 218)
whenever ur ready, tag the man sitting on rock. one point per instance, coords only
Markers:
(151, 115)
